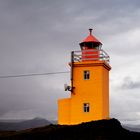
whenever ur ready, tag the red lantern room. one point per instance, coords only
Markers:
(90, 48)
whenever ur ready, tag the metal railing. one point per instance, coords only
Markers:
(90, 55)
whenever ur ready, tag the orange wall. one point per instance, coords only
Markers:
(64, 111)
(105, 94)
(94, 91)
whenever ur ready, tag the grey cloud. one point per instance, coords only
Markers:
(129, 83)
(38, 95)
(124, 107)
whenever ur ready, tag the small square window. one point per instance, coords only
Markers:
(86, 107)
(86, 74)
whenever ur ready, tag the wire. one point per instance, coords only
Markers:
(32, 74)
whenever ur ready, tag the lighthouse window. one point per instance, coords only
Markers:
(86, 74)
(86, 107)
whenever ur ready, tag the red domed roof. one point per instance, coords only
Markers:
(91, 38)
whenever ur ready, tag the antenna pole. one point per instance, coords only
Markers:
(90, 31)
(72, 60)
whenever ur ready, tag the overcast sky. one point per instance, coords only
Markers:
(37, 36)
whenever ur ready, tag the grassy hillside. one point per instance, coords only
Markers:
(95, 130)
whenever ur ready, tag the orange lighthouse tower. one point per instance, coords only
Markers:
(89, 85)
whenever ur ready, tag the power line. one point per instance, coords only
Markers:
(32, 74)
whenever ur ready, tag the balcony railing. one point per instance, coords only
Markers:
(90, 55)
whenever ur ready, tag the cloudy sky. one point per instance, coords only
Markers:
(37, 36)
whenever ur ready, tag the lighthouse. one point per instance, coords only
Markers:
(89, 90)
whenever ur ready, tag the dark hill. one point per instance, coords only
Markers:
(135, 128)
(95, 130)
(14, 126)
